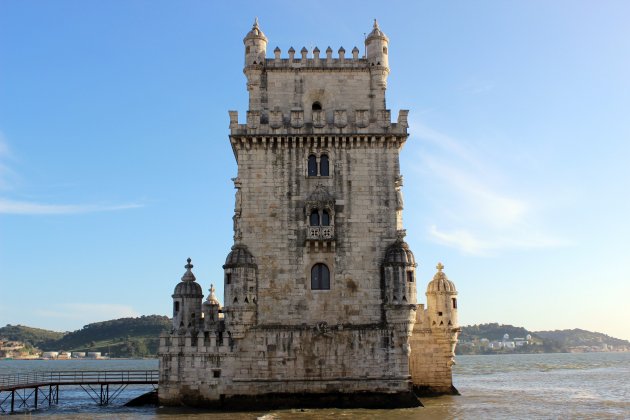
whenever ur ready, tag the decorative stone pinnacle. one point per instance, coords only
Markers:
(440, 267)
(188, 275)
(211, 290)
(255, 26)
(375, 24)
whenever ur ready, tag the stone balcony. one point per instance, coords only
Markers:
(320, 233)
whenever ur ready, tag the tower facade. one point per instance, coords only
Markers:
(320, 286)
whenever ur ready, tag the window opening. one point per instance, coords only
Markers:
(323, 165)
(312, 165)
(320, 277)
(228, 278)
(314, 218)
(317, 106)
(410, 276)
(454, 303)
(325, 218)
(176, 307)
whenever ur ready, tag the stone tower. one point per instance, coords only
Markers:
(320, 286)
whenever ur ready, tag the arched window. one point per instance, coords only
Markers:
(312, 165)
(325, 218)
(323, 165)
(320, 277)
(317, 106)
(314, 218)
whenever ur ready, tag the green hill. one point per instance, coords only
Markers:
(493, 332)
(582, 338)
(33, 336)
(471, 340)
(124, 337)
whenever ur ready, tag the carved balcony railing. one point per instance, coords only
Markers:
(320, 233)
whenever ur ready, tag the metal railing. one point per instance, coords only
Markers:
(21, 380)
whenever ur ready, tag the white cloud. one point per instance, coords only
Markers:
(30, 208)
(87, 312)
(475, 214)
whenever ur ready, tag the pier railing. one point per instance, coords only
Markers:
(23, 380)
(25, 391)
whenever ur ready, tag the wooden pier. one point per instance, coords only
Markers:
(26, 391)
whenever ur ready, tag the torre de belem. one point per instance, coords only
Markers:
(320, 305)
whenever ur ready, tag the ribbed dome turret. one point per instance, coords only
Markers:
(376, 33)
(441, 283)
(399, 253)
(188, 287)
(255, 33)
(239, 256)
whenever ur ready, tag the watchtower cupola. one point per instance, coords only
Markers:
(255, 46)
(187, 298)
(377, 45)
(442, 300)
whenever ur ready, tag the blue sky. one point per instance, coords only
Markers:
(115, 164)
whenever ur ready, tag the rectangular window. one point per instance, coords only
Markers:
(228, 278)
(454, 303)
(410, 276)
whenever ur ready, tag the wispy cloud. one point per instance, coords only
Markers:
(18, 207)
(87, 312)
(30, 208)
(477, 87)
(479, 212)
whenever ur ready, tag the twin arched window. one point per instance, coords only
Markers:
(324, 165)
(320, 277)
(314, 219)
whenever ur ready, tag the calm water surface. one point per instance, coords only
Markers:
(537, 386)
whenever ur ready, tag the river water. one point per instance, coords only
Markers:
(523, 386)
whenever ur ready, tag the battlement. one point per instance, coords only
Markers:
(333, 122)
(315, 61)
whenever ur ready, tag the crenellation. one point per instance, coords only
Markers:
(320, 291)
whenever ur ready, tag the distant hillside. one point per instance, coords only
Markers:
(33, 336)
(581, 338)
(476, 339)
(493, 332)
(124, 337)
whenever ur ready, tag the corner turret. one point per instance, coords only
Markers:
(442, 300)
(187, 302)
(255, 46)
(377, 45)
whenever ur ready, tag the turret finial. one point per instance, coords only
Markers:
(440, 267)
(255, 23)
(188, 275)
(375, 24)
(212, 290)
